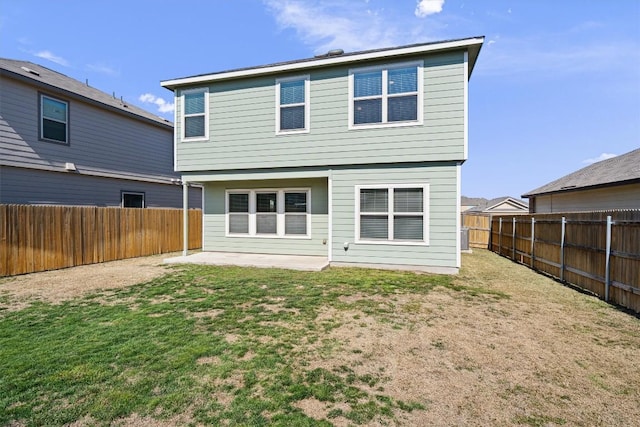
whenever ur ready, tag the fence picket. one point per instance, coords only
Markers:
(38, 238)
(598, 251)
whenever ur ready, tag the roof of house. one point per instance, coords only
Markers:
(336, 57)
(617, 170)
(48, 79)
(484, 205)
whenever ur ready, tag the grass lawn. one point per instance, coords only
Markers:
(206, 345)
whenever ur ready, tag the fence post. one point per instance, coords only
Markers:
(564, 225)
(513, 240)
(533, 239)
(607, 268)
(500, 235)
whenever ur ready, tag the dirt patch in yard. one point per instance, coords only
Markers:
(503, 346)
(57, 286)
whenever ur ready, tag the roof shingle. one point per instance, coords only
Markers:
(623, 168)
(43, 76)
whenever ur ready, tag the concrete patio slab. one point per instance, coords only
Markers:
(292, 262)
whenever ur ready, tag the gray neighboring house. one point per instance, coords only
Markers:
(355, 157)
(63, 142)
(612, 184)
(497, 206)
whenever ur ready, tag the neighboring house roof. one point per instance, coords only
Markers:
(48, 79)
(494, 205)
(623, 169)
(337, 57)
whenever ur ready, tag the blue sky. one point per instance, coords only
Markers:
(556, 86)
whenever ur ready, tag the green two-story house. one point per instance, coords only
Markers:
(355, 157)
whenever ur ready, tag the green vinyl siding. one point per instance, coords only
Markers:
(214, 219)
(242, 132)
(441, 250)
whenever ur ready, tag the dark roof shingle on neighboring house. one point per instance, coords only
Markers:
(624, 168)
(44, 77)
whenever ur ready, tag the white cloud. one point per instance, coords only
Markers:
(103, 69)
(428, 7)
(601, 157)
(45, 54)
(352, 26)
(163, 106)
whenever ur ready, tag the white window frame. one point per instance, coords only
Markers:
(280, 212)
(385, 95)
(307, 105)
(205, 91)
(66, 120)
(132, 193)
(390, 214)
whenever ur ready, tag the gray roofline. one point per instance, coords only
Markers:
(620, 170)
(52, 88)
(582, 188)
(471, 44)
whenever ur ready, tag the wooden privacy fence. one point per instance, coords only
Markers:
(598, 252)
(39, 238)
(479, 226)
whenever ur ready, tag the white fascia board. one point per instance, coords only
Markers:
(252, 175)
(322, 62)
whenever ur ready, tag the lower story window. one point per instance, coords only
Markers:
(132, 200)
(392, 213)
(268, 213)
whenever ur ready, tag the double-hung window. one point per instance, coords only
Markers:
(385, 96)
(292, 105)
(392, 214)
(268, 213)
(54, 119)
(195, 107)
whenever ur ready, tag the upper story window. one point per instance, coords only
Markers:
(385, 96)
(54, 119)
(195, 107)
(292, 105)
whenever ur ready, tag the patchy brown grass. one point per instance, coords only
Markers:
(503, 346)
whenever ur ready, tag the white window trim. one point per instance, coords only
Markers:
(183, 138)
(391, 213)
(66, 119)
(307, 105)
(280, 200)
(385, 95)
(132, 193)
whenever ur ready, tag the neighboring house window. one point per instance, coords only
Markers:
(292, 105)
(194, 114)
(392, 214)
(268, 213)
(132, 200)
(54, 119)
(386, 96)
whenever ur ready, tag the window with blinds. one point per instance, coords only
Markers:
(386, 95)
(268, 213)
(292, 104)
(194, 113)
(238, 211)
(392, 213)
(54, 120)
